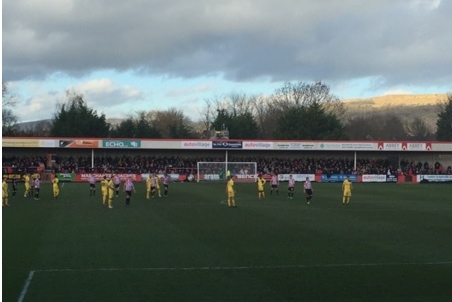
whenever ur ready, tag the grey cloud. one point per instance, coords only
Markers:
(400, 41)
(105, 93)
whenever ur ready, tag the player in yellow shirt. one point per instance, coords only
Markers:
(261, 187)
(5, 193)
(111, 193)
(346, 190)
(56, 187)
(104, 189)
(231, 192)
(27, 182)
(148, 186)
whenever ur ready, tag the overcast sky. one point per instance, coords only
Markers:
(126, 56)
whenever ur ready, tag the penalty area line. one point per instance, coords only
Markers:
(27, 284)
(24, 291)
(258, 267)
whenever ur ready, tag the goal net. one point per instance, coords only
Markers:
(218, 171)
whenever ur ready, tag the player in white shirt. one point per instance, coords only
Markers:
(291, 187)
(166, 181)
(274, 182)
(308, 190)
(117, 182)
(92, 185)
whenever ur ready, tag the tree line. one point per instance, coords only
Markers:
(296, 111)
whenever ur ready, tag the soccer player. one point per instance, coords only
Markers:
(117, 182)
(128, 187)
(260, 187)
(32, 185)
(37, 186)
(55, 187)
(27, 182)
(14, 187)
(157, 184)
(308, 191)
(274, 184)
(290, 187)
(92, 185)
(346, 191)
(111, 193)
(166, 181)
(153, 185)
(104, 189)
(5, 193)
(231, 192)
(148, 186)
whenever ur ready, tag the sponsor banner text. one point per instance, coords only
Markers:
(121, 143)
(435, 178)
(196, 145)
(79, 143)
(257, 145)
(227, 144)
(374, 178)
(338, 178)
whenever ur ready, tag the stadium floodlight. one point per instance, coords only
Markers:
(218, 171)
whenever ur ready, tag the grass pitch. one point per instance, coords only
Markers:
(392, 243)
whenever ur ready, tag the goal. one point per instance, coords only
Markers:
(217, 171)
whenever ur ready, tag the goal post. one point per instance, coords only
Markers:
(218, 171)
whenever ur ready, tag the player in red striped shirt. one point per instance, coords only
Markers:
(308, 190)
(117, 181)
(92, 185)
(274, 182)
(166, 181)
(128, 188)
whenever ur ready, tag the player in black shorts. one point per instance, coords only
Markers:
(308, 190)
(14, 182)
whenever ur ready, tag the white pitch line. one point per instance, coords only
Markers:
(217, 268)
(27, 284)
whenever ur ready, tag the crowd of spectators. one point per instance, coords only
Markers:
(20, 164)
(179, 164)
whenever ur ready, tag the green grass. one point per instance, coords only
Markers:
(392, 243)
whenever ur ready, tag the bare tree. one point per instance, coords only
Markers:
(262, 116)
(239, 104)
(267, 112)
(171, 123)
(207, 117)
(417, 129)
(362, 128)
(9, 119)
(393, 128)
(305, 94)
(34, 129)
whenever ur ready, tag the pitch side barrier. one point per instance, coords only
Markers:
(334, 178)
(367, 178)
